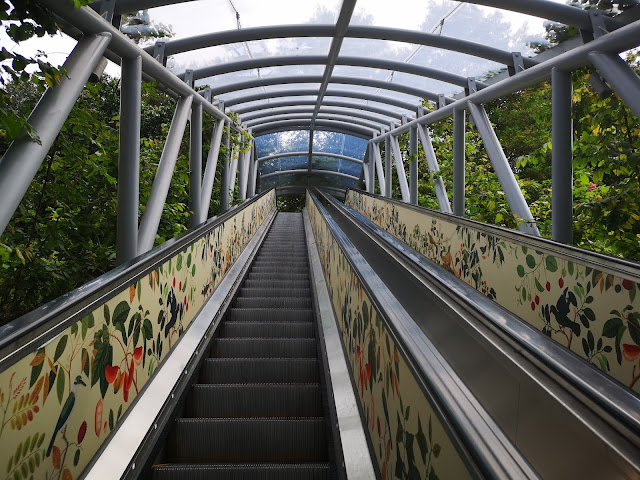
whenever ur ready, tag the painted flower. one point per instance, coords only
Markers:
(137, 355)
(111, 372)
(630, 352)
(98, 417)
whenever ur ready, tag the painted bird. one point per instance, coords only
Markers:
(66, 411)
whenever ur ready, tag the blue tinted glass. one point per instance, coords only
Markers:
(354, 147)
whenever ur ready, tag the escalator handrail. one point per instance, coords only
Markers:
(615, 398)
(25, 334)
(485, 448)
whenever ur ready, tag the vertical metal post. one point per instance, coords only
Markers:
(503, 170)
(379, 168)
(224, 179)
(413, 166)
(371, 186)
(388, 189)
(402, 176)
(459, 121)
(253, 171)
(24, 156)
(367, 183)
(561, 157)
(243, 172)
(129, 160)
(233, 172)
(195, 165)
(210, 169)
(160, 188)
(434, 169)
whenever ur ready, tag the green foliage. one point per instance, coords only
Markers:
(291, 203)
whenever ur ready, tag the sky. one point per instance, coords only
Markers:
(506, 30)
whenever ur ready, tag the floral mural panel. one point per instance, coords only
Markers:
(408, 439)
(61, 402)
(593, 311)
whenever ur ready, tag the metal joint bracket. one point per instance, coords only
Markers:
(404, 119)
(206, 94)
(518, 64)
(107, 8)
(220, 105)
(471, 87)
(442, 100)
(597, 23)
(158, 52)
(188, 78)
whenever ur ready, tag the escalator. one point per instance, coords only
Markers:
(258, 409)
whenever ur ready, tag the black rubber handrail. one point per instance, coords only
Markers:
(27, 333)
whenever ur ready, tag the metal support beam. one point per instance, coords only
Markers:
(129, 160)
(340, 113)
(434, 169)
(195, 166)
(224, 178)
(503, 170)
(160, 188)
(365, 172)
(620, 76)
(561, 157)
(379, 168)
(459, 121)
(253, 171)
(24, 156)
(413, 166)
(210, 169)
(402, 176)
(233, 171)
(321, 116)
(371, 166)
(388, 172)
(243, 173)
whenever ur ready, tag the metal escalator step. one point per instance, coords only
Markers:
(209, 440)
(281, 268)
(254, 370)
(278, 276)
(267, 329)
(260, 471)
(269, 315)
(275, 292)
(255, 400)
(278, 302)
(276, 284)
(283, 263)
(264, 348)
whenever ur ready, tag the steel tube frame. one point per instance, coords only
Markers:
(561, 157)
(620, 40)
(365, 173)
(321, 116)
(315, 154)
(224, 178)
(388, 171)
(129, 160)
(354, 31)
(620, 76)
(371, 166)
(346, 128)
(243, 172)
(348, 112)
(368, 62)
(269, 130)
(20, 163)
(313, 92)
(413, 166)
(253, 171)
(312, 172)
(503, 170)
(459, 123)
(344, 80)
(233, 172)
(379, 168)
(210, 169)
(160, 188)
(402, 176)
(326, 103)
(434, 169)
(195, 166)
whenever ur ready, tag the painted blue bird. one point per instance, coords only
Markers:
(65, 413)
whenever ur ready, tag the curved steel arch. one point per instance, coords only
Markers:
(309, 115)
(314, 154)
(313, 92)
(365, 82)
(312, 172)
(329, 103)
(341, 127)
(368, 62)
(298, 189)
(354, 31)
(350, 112)
(277, 129)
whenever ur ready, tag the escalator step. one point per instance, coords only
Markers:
(254, 370)
(279, 302)
(263, 471)
(276, 284)
(275, 292)
(210, 440)
(278, 276)
(255, 400)
(267, 329)
(264, 348)
(281, 268)
(269, 315)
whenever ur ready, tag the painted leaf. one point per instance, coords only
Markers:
(611, 327)
(520, 270)
(121, 312)
(107, 316)
(422, 441)
(531, 262)
(132, 293)
(62, 344)
(60, 386)
(66, 474)
(551, 263)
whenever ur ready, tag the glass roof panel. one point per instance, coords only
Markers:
(336, 165)
(328, 180)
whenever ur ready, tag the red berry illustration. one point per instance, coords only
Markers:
(533, 305)
(627, 284)
(537, 299)
(82, 432)
(548, 287)
(561, 282)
